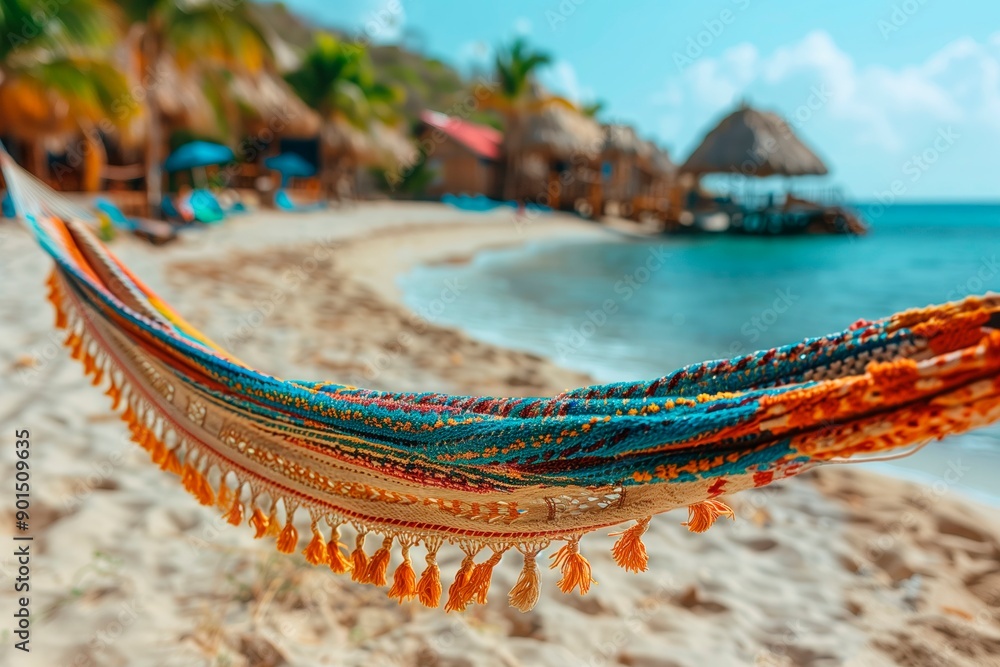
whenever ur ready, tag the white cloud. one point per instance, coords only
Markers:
(384, 20)
(561, 78)
(475, 56)
(523, 26)
(956, 83)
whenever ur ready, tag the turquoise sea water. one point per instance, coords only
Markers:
(637, 309)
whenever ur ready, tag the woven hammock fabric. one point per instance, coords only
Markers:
(405, 471)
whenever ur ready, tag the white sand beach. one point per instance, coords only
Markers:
(838, 567)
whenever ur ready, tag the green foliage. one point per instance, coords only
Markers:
(412, 182)
(29, 27)
(515, 66)
(51, 47)
(337, 79)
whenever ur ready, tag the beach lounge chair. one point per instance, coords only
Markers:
(283, 201)
(156, 232)
(171, 211)
(205, 207)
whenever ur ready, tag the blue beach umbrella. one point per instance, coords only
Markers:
(198, 154)
(290, 165)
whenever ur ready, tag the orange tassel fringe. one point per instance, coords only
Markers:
(259, 522)
(460, 593)
(288, 540)
(378, 566)
(575, 568)
(482, 575)
(701, 516)
(315, 552)
(629, 551)
(429, 586)
(359, 559)
(273, 527)
(404, 580)
(339, 562)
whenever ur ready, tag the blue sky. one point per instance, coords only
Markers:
(898, 96)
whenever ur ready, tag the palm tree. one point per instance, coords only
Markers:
(516, 66)
(338, 80)
(50, 80)
(201, 37)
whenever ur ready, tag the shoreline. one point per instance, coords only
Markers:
(839, 565)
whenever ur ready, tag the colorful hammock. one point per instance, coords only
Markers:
(491, 475)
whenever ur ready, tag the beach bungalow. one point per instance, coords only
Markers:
(660, 193)
(624, 158)
(463, 156)
(639, 178)
(348, 153)
(757, 144)
(559, 160)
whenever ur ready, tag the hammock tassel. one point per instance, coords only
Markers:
(701, 516)
(259, 522)
(359, 559)
(378, 566)
(629, 551)
(429, 586)
(575, 568)
(158, 451)
(524, 595)
(273, 528)
(197, 485)
(235, 514)
(315, 552)
(288, 539)
(482, 575)
(460, 592)
(339, 562)
(115, 393)
(404, 579)
(223, 498)
(170, 462)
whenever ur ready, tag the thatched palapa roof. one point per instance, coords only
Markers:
(377, 144)
(660, 162)
(623, 140)
(270, 103)
(563, 132)
(753, 143)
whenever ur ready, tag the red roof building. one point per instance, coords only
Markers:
(463, 155)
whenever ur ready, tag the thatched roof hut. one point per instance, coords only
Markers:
(268, 103)
(660, 163)
(31, 112)
(562, 133)
(377, 145)
(753, 143)
(623, 140)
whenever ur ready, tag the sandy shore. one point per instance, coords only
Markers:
(838, 567)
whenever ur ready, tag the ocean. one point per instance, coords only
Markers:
(629, 309)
